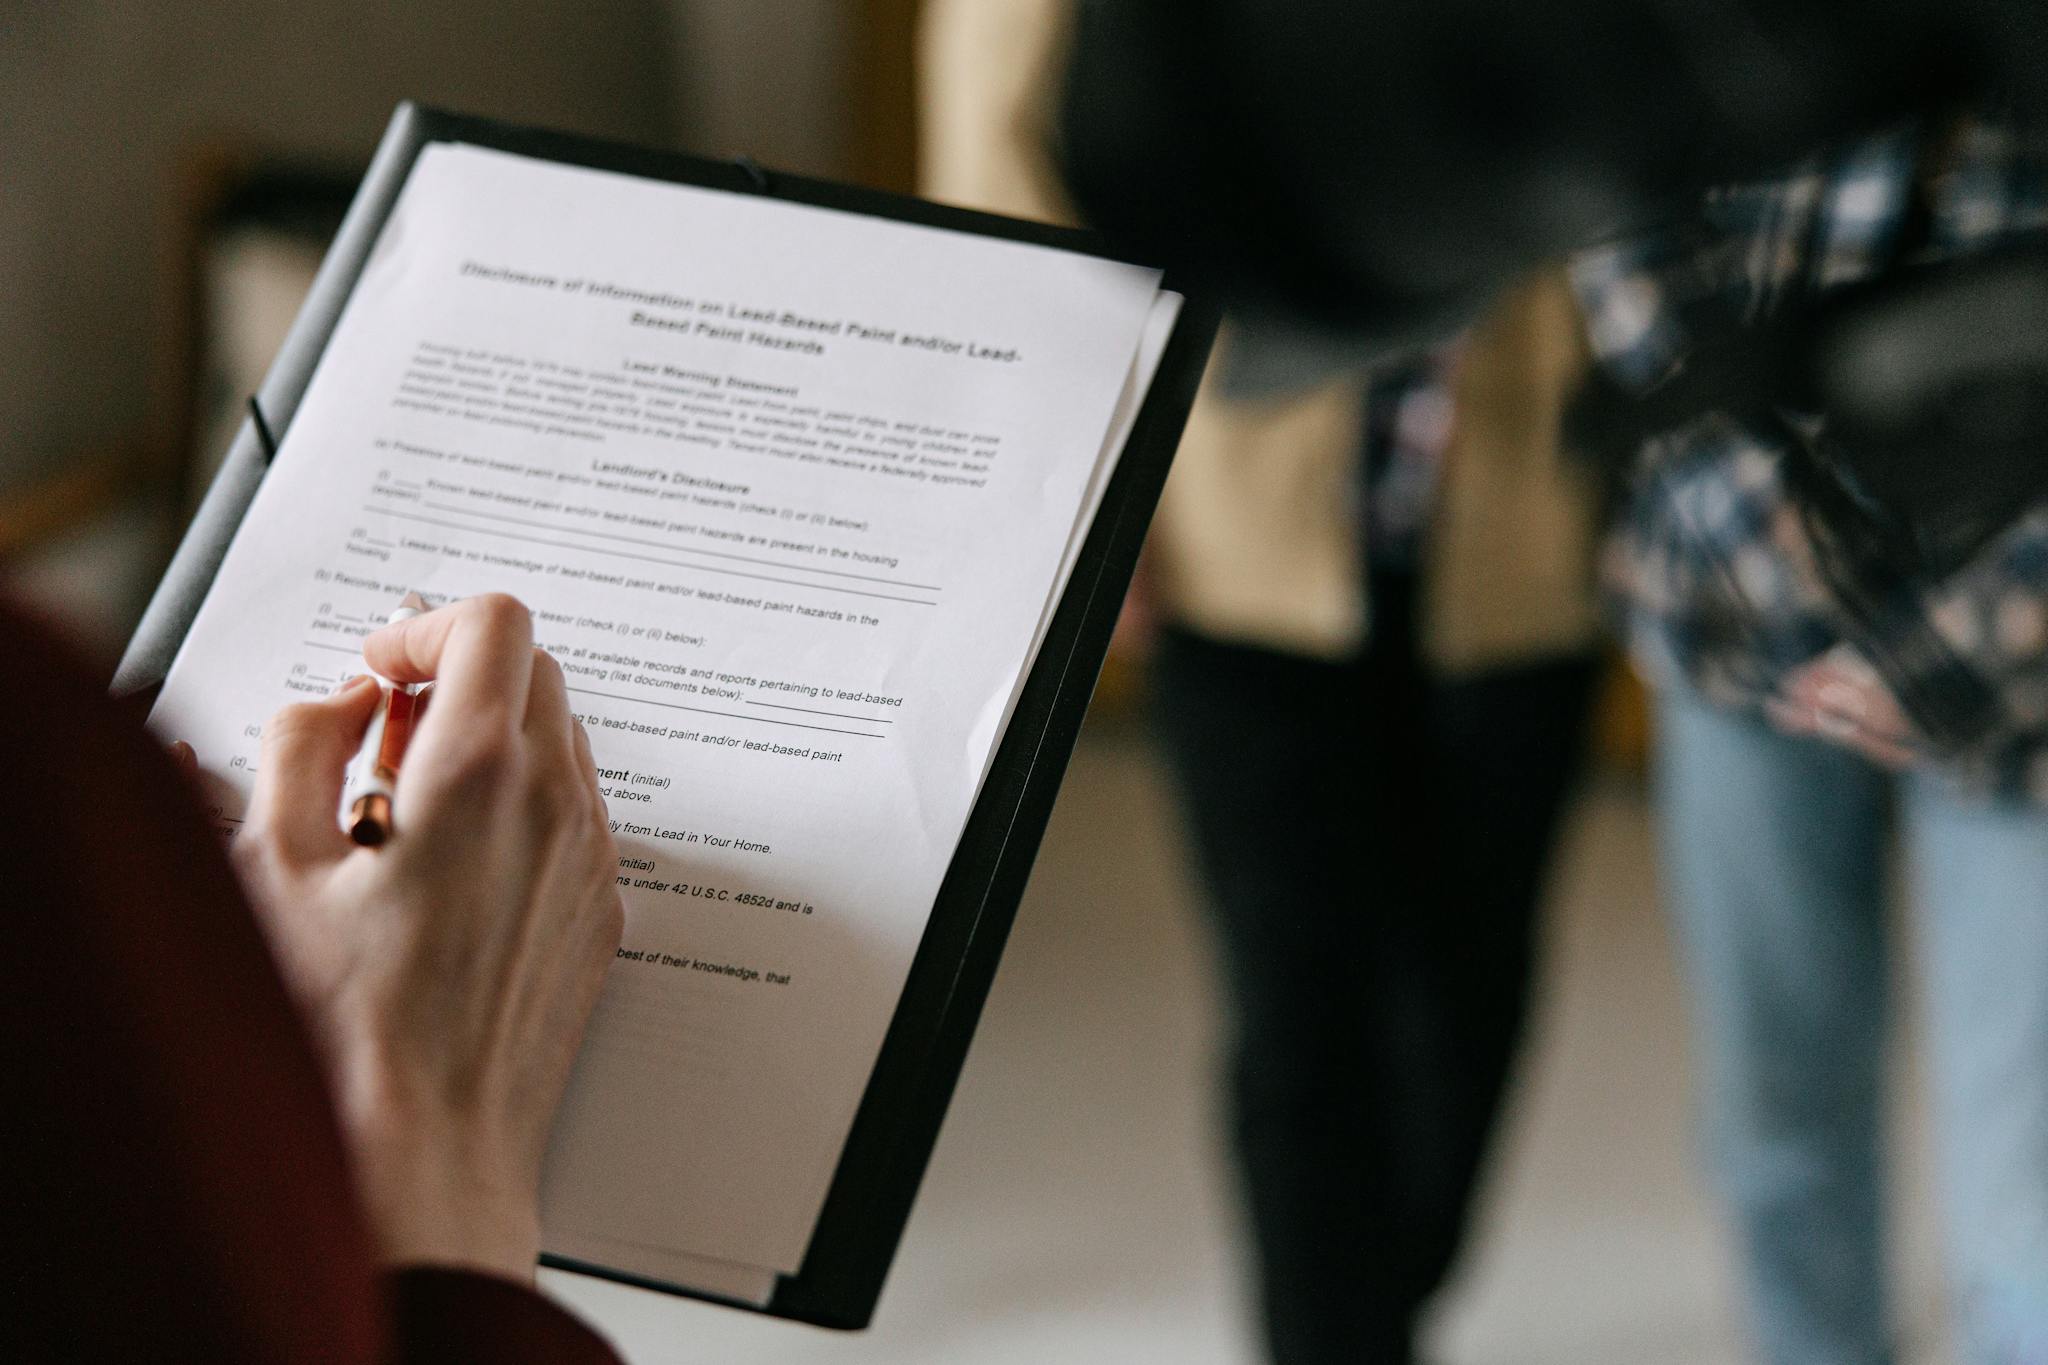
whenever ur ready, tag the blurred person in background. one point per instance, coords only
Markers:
(1374, 817)
(1371, 682)
(1835, 560)
(1810, 696)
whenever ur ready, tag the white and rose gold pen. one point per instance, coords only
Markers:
(368, 801)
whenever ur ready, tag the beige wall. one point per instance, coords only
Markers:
(767, 77)
(98, 97)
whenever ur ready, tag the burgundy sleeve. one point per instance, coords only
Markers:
(172, 1177)
(445, 1315)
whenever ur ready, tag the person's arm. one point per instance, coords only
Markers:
(1723, 565)
(448, 973)
(1970, 650)
(170, 1159)
(440, 1315)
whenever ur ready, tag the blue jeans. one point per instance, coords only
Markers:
(1774, 864)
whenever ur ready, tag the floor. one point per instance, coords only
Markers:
(1078, 1207)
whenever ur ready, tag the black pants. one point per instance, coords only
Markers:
(1374, 841)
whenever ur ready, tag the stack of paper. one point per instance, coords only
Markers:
(792, 494)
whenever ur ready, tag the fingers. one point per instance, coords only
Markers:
(555, 732)
(306, 753)
(549, 722)
(551, 725)
(476, 652)
(1841, 698)
(586, 765)
(491, 688)
(547, 699)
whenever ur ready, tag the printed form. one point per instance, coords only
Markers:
(791, 493)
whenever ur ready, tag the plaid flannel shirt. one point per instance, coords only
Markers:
(1710, 564)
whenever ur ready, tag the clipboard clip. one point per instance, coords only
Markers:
(753, 171)
(264, 435)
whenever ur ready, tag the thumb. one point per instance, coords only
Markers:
(306, 753)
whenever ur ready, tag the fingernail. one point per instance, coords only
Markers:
(184, 755)
(1841, 697)
(349, 684)
(1837, 726)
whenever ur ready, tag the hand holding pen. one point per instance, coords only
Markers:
(449, 972)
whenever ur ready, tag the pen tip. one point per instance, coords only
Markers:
(414, 601)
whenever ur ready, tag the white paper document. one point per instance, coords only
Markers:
(791, 493)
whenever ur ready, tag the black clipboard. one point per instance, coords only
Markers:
(898, 1120)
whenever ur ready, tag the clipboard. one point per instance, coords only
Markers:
(898, 1120)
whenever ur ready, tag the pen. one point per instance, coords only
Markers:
(376, 765)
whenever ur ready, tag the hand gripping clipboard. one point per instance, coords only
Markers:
(899, 1116)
